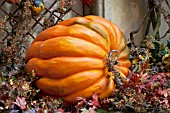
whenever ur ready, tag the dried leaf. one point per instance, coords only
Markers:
(95, 101)
(20, 102)
(165, 92)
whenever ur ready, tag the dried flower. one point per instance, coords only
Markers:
(25, 86)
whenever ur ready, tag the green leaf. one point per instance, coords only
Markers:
(3, 79)
(60, 100)
(101, 111)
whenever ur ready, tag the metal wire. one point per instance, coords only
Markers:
(50, 14)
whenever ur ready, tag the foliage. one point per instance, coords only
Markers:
(147, 89)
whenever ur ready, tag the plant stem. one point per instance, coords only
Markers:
(152, 14)
(167, 4)
(148, 27)
(156, 29)
(136, 31)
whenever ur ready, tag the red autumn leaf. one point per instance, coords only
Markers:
(95, 101)
(134, 78)
(60, 110)
(160, 91)
(138, 77)
(154, 77)
(139, 90)
(162, 81)
(150, 85)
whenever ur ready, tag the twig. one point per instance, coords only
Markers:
(111, 52)
(156, 29)
(142, 50)
(148, 27)
(166, 16)
(167, 4)
(163, 11)
(168, 31)
(153, 15)
(110, 62)
(136, 31)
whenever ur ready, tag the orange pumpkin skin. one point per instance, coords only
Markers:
(69, 58)
(12, 1)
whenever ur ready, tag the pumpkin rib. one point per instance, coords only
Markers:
(95, 26)
(78, 31)
(68, 46)
(121, 47)
(73, 21)
(51, 86)
(124, 70)
(123, 62)
(108, 90)
(63, 66)
(96, 88)
(98, 35)
(98, 28)
(122, 44)
(118, 38)
(110, 28)
(124, 54)
(54, 31)
(33, 50)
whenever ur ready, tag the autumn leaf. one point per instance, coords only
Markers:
(81, 102)
(20, 102)
(95, 101)
(25, 86)
(166, 92)
(165, 101)
(60, 110)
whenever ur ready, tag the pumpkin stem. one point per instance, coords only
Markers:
(111, 51)
(111, 61)
(114, 74)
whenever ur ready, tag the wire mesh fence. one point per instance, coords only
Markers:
(19, 25)
(22, 21)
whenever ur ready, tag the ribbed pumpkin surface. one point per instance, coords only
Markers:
(69, 57)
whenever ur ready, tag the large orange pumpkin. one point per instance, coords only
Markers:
(69, 58)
